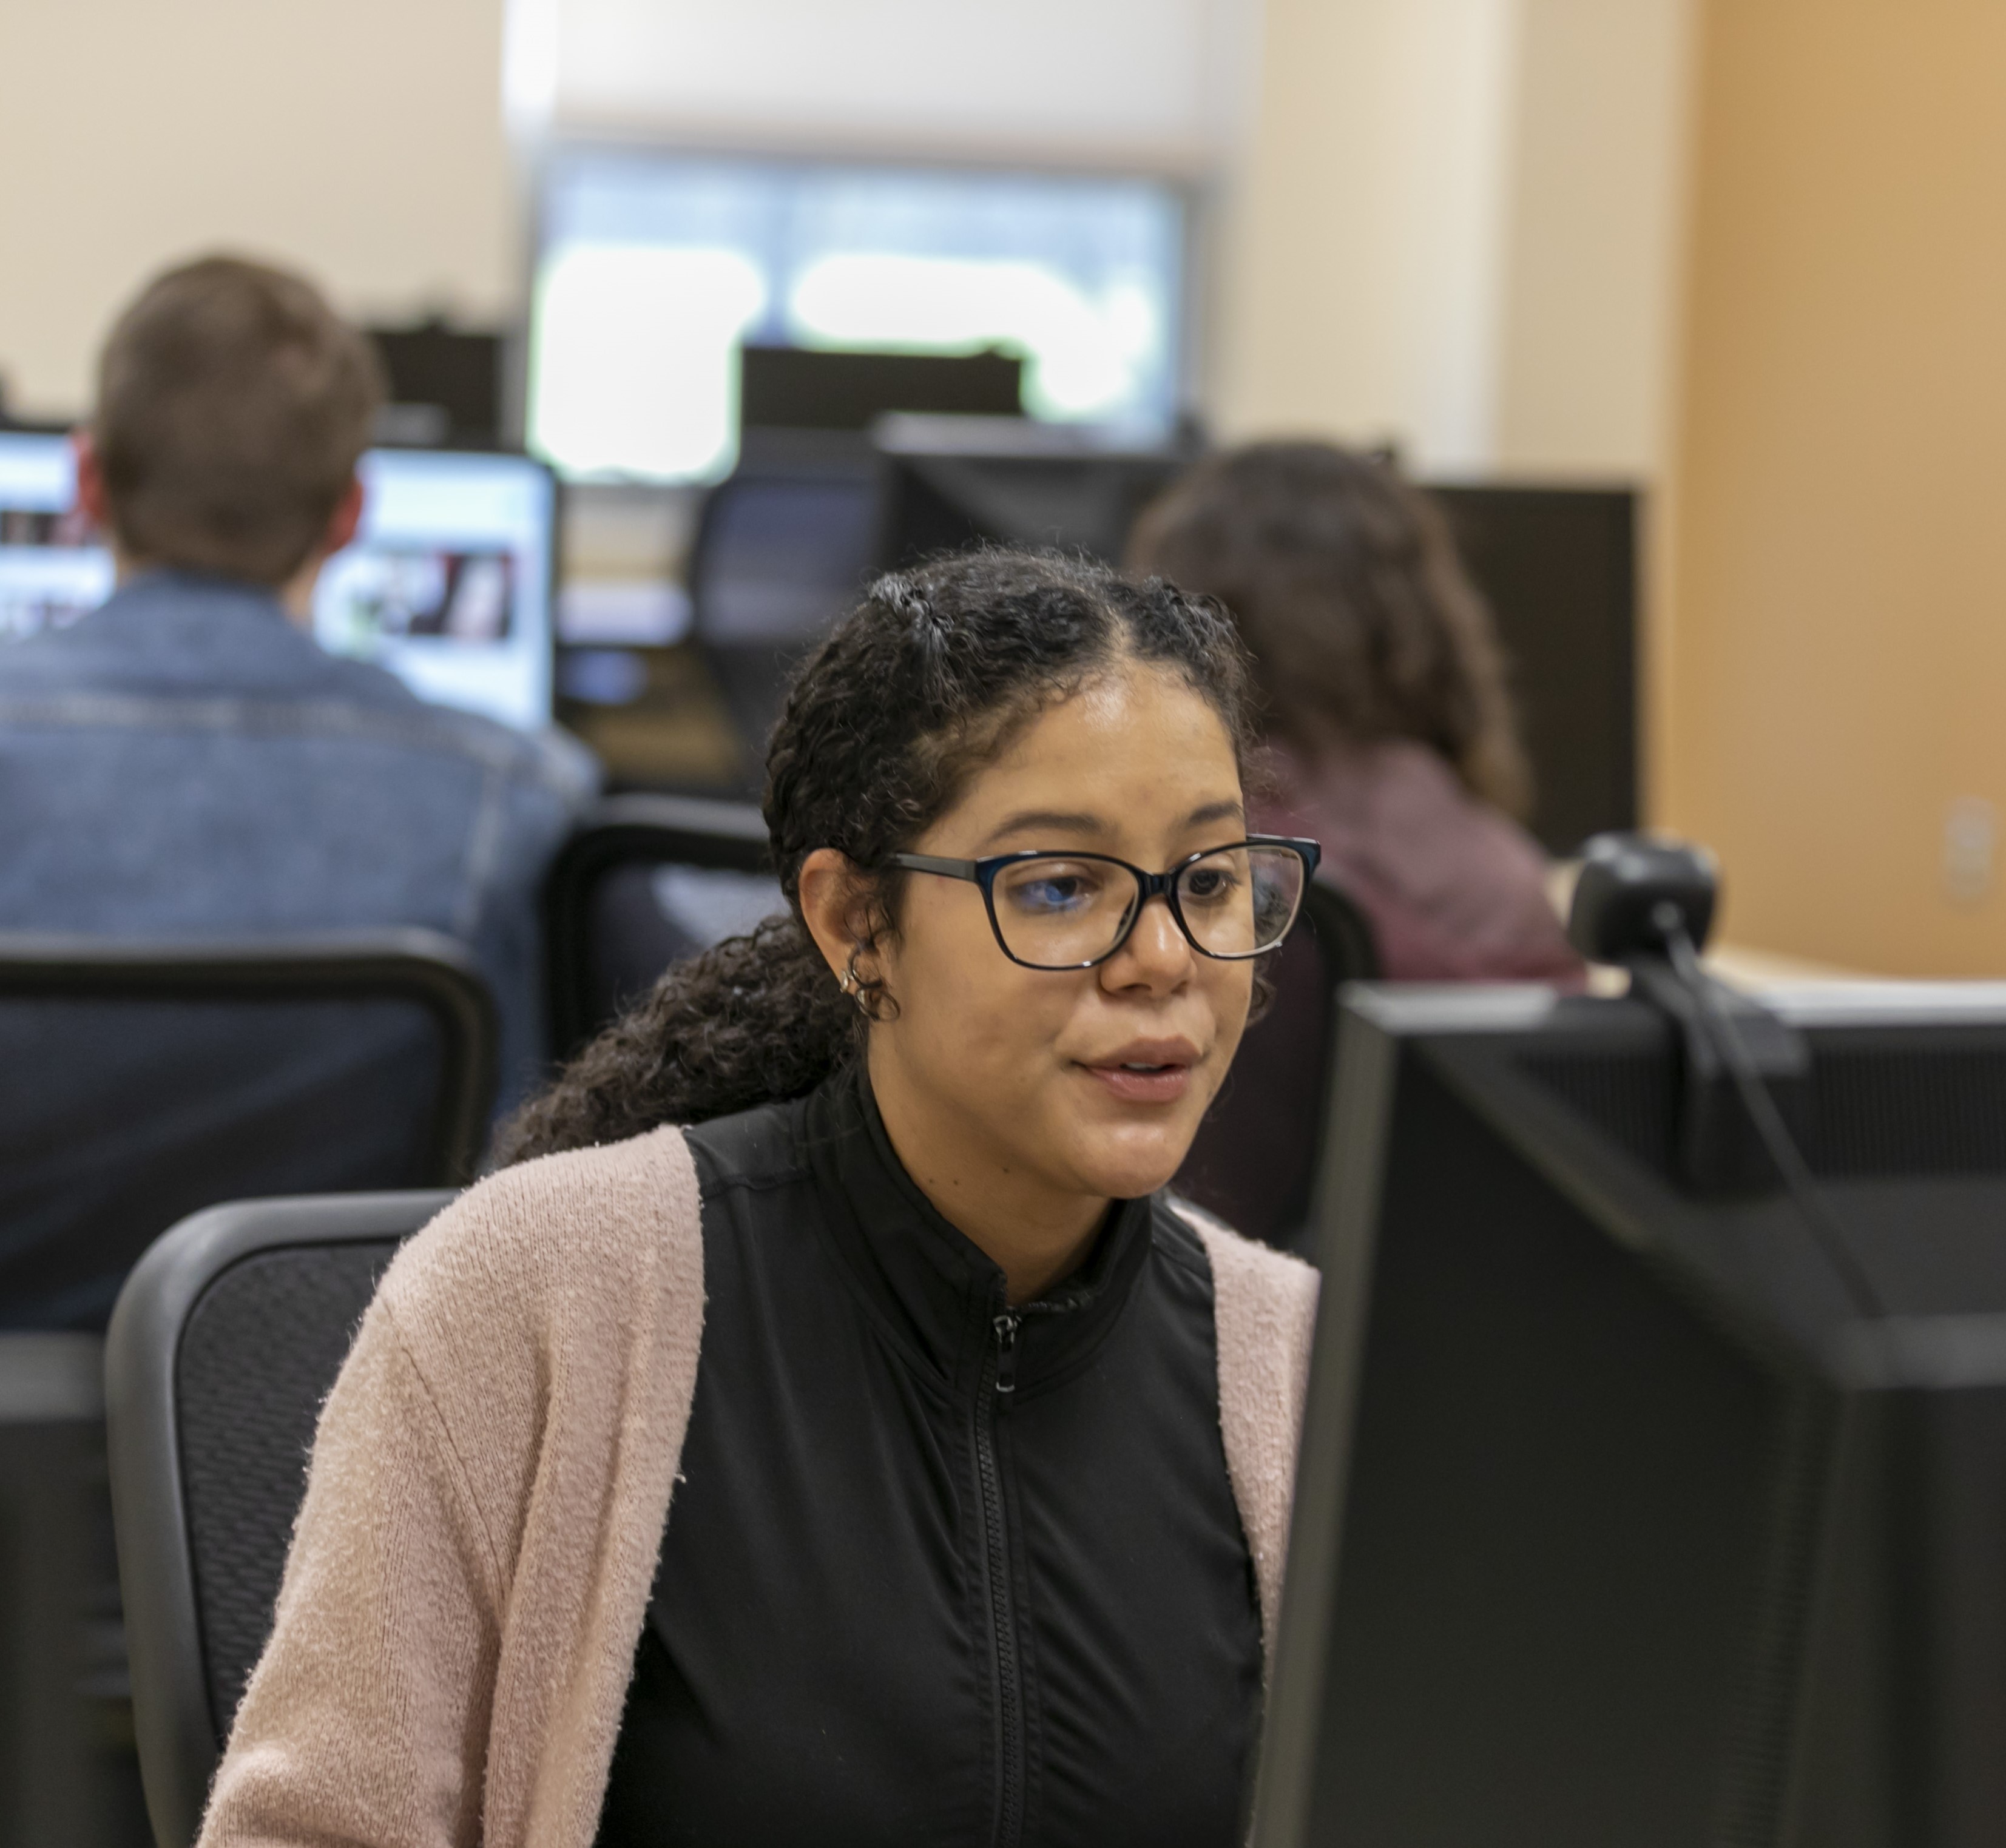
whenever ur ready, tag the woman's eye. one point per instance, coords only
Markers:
(1209, 886)
(1047, 890)
(1051, 895)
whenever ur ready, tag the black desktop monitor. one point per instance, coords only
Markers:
(950, 482)
(455, 375)
(1558, 566)
(782, 547)
(805, 388)
(1618, 1520)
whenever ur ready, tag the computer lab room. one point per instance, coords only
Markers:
(927, 923)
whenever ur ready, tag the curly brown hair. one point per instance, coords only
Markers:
(1345, 581)
(926, 681)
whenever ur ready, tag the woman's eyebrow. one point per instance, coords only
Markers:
(1054, 820)
(1048, 821)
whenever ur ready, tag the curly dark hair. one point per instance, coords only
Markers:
(1345, 581)
(927, 681)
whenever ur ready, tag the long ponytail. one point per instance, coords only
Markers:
(754, 1019)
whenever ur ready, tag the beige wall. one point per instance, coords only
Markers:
(1593, 236)
(1456, 224)
(1837, 655)
(362, 140)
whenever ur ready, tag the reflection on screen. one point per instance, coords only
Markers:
(448, 583)
(51, 567)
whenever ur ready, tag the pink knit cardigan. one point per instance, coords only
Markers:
(451, 1651)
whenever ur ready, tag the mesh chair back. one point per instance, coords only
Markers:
(141, 1081)
(1254, 1160)
(226, 1339)
(645, 882)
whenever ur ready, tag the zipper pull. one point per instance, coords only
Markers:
(1006, 1326)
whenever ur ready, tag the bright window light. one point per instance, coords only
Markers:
(653, 268)
(631, 367)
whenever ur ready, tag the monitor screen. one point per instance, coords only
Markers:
(447, 584)
(51, 567)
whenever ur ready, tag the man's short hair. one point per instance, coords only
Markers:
(232, 405)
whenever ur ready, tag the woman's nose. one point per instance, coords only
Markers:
(1157, 953)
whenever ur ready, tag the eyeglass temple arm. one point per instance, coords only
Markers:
(933, 863)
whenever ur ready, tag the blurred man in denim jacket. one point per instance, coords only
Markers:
(185, 762)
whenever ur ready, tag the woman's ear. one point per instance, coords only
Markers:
(830, 904)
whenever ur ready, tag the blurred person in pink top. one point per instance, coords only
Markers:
(1390, 733)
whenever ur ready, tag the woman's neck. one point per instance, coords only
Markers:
(1036, 1234)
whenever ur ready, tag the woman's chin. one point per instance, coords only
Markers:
(1130, 1166)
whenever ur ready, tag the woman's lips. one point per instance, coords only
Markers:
(1157, 1084)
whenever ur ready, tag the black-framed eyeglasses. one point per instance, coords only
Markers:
(1053, 911)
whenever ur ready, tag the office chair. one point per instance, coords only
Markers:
(644, 882)
(226, 1339)
(139, 1081)
(1254, 1161)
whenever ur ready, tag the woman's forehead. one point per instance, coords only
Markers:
(1138, 751)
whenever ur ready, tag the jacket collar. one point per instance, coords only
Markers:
(938, 1294)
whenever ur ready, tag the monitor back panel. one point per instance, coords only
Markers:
(1600, 1535)
(1558, 566)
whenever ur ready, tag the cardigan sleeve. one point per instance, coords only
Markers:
(455, 1632)
(366, 1719)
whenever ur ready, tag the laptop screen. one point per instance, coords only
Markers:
(447, 584)
(52, 568)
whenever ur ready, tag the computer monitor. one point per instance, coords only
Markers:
(449, 583)
(949, 482)
(1558, 568)
(783, 547)
(1618, 1520)
(52, 567)
(810, 388)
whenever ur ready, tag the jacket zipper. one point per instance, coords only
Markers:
(1002, 1371)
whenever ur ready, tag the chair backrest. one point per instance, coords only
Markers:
(226, 1339)
(644, 882)
(1254, 1160)
(140, 1082)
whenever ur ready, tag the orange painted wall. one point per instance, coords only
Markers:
(1831, 677)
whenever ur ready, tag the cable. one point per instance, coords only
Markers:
(1717, 1021)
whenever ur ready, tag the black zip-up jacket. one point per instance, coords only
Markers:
(939, 1573)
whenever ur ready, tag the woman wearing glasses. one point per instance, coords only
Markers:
(852, 1237)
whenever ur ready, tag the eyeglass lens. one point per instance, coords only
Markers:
(1059, 913)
